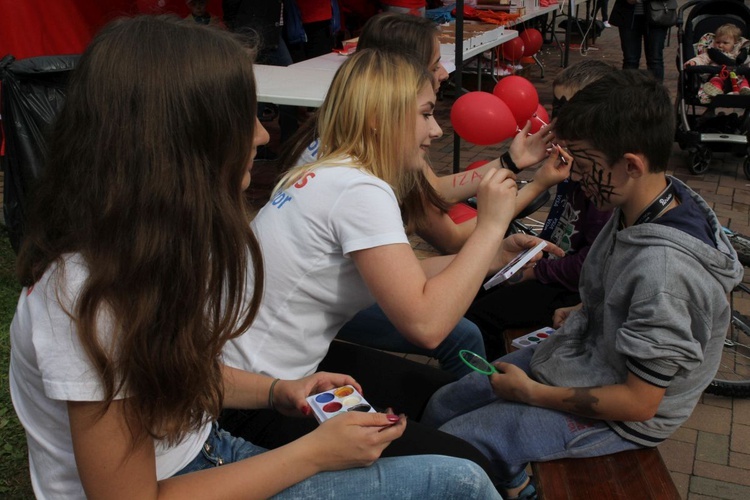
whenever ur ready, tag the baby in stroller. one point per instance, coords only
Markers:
(726, 48)
(709, 119)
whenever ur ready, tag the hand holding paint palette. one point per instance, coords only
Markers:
(340, 400)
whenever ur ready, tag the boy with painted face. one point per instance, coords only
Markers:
(627, 366)
(573, 223)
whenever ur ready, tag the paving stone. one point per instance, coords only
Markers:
(742, 406)
(727, 213)
(710, 419)
(718, 198)
(724, 221)
(740, 438)
(721, 473)
(712, 448)
(742, 196)
(739, 228)
(739, 460)
(705, 187)
(721, 401)
(682, 483)
(727, 181)
(684, 435)
(678, 455)
(717, 489)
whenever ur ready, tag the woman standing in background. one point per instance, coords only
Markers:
(636, 33)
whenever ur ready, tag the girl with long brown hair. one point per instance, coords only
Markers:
(136, 264)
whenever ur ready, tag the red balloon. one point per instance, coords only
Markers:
(481, 118)
(532, 41)
(476, 164)
(520, 96)
(513, 49)
(539, 119)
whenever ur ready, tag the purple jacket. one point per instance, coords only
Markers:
(576, 230)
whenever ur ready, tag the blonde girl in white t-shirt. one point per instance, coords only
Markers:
(332, 235)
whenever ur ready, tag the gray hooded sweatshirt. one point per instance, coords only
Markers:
(655, 304)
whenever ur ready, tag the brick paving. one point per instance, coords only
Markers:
(709, 457)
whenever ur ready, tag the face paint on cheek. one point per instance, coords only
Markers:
(595, 180)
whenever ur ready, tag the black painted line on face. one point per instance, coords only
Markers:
(595, 180)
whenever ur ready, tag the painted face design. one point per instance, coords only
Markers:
(591, 170)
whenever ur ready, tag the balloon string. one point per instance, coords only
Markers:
(544, 124)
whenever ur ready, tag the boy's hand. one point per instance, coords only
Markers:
(289, 395)
(516, 243)
(562, 314)
(512, 383)
(689, 63)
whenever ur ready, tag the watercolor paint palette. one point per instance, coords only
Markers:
(532, 338)
(339, 400)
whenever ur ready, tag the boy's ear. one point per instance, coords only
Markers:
(636, 165)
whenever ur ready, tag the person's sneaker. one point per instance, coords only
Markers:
(711, 89)
(606, 24)
(745, 91)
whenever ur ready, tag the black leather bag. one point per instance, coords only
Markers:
(661, 13)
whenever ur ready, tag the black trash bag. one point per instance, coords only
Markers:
(33, 91)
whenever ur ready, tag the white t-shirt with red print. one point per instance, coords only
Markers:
(312, 287)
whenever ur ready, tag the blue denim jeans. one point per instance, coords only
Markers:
(372, 328)
(651, 39)
(419, 477)
(512, 434)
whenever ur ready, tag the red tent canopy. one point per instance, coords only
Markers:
(51, 27)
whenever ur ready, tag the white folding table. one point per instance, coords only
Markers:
(306, 83)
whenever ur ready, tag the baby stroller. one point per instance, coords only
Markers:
(709, 131)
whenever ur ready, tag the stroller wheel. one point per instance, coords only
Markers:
(746, 167)
(698, 160)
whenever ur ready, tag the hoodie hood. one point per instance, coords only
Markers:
(721, 262)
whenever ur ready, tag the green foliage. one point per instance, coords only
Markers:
(14, 467)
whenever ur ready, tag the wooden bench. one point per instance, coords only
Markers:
(636, 474)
